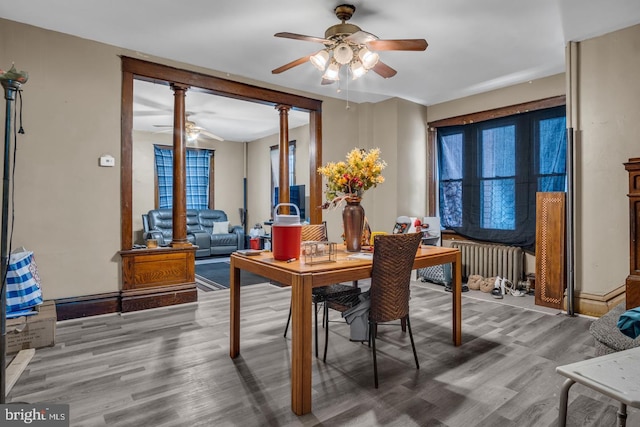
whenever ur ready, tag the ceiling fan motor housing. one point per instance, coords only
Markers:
(344, 12)
(340, 31)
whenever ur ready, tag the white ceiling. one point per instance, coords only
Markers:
(474, 46)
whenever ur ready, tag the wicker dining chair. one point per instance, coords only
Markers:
(393, 259)
(318, 233)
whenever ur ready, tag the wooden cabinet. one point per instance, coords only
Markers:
(633, 280)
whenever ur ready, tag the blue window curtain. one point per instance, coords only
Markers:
(498, 177)
(197, 177)
(450, 168)
(490, 171)
(552, 154)
(164, 174)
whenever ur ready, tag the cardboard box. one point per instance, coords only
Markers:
(34, 331)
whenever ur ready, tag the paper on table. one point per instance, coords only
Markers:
(249, 252)
(361, 255)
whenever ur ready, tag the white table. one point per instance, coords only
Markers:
(616, 375)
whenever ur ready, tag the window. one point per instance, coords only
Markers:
(198, 167)
(491, 170)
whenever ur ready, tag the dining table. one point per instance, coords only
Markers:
(302, 277)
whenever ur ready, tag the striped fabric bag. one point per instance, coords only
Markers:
(23, 282)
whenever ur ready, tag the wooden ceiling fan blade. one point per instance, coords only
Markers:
(384, 70)
(211, 135)
(403, 44)
(361, 37)
(301, 37)
(291, 64)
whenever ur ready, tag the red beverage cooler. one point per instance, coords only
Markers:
(286, 234)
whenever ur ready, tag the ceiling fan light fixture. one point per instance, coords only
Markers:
(343, 53)
(357, 69)
(192, 136)
(369, 59)
(320, 59)
(333, 72)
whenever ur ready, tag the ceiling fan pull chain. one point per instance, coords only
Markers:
(348, 106)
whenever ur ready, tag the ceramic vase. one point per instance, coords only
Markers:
(353, 221)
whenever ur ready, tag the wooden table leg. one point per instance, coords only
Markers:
(301, 344)
(457, 300)
(234, 310)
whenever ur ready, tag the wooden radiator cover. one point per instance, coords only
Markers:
(550, 249)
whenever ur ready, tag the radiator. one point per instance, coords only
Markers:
(491, 260)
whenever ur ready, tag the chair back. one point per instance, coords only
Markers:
(314, 232)
(393, 258)
(162, 220)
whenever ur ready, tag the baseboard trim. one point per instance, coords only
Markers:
(596, 305)
(87, 305)
(115, 302)
(159, 297)
(108, 303)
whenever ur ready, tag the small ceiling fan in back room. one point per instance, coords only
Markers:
(192, 131)
(348, 45)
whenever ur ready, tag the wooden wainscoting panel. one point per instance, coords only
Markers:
(550, 249)
(159, 277)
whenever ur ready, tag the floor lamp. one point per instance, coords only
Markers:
(11, 82)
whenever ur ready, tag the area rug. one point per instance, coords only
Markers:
(215, 276)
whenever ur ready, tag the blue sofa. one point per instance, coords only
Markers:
(209, 229)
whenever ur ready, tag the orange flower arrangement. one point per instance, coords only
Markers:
(361, 171)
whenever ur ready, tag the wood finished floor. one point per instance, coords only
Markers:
(171, 367)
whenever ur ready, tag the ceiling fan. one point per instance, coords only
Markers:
(346, 44)
(193, 132)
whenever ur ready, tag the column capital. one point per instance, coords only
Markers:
(179, 86)
(283, 108)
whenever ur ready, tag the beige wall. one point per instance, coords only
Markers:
(608, 132)
(68, 208)
(340, 134)
(398, 128)
(516, 94)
